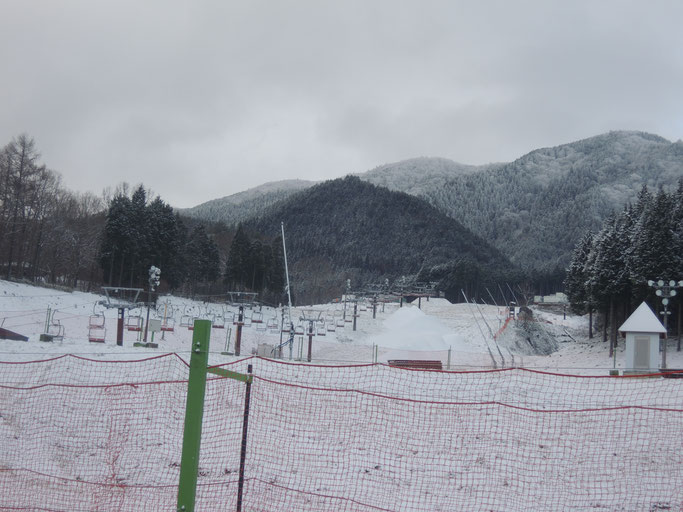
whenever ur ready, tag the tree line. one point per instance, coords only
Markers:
(47, 233)
(609, 270)
(50, 235)
(139, 233)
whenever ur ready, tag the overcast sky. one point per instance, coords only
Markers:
(202, 99)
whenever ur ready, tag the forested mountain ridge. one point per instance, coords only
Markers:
(238, 207)
(350, 229)
(415, 176)
(528, 208)
(536, 209)
(419, 176)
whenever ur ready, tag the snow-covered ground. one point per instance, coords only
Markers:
(101, 427)
(407, 332)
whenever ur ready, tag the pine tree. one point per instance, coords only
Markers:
(654, 244)
(161, 246)
(576, 281)
(115, 248)
(276, 269)
(238, 267)
(203, 262)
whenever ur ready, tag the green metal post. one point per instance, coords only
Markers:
(194, 411)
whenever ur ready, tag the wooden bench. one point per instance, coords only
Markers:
(416, 364)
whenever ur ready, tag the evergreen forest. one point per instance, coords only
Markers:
(610, 269)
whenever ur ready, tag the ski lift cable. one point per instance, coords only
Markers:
(284, 249)
(502, 294)
(494, 300)
(502, 358)
(495, 365)
(513, 293)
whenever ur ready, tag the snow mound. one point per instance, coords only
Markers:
(410, 329)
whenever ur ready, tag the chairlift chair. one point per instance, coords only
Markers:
(55, 328)
(164, 309)
(134, 323)
(168, 324)
(96, 329)
(191, 326)
(97, 320)
(187, 318)
(218, 322)
(272, 324)
(320, 329)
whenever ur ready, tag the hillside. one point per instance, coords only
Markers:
(238, 207)
(419, 176)
(350, 229)
(536, 208)
(526, 208)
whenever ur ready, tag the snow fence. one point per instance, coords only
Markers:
(78, 434)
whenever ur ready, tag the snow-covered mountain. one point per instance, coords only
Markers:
(251, 203)
(526, 208)
(536, 208)
(420, 176)
(416, 176)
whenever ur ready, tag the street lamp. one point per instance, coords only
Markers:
(665, 290)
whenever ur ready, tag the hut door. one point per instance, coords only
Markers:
(641, 357)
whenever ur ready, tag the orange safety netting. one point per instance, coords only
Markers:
(88, 435)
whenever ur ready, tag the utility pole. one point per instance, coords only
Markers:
(310, 340)
(238, 334)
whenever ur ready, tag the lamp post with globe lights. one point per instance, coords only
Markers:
(665, 290)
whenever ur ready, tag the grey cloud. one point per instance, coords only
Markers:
(207, 98)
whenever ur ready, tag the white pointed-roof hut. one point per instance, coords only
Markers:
(642, 330)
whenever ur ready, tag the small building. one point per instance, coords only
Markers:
(556, 298)
(642, 330)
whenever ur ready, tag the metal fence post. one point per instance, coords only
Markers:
(243, 451)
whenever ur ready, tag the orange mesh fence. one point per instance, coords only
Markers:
(354, 438)
(78, 370)
(515, 386)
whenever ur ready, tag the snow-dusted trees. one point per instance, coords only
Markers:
(201, 259)
(238, 266)
(255, 266)
(576, 282)
(609, 271)
(21, 178)
(46, 232)
(136, 235)
(139, 233)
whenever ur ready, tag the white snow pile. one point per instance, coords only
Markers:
(408, 328)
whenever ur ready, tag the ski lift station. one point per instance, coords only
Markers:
(642, 330)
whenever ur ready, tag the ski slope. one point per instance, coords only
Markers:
(398, 332)
(96, 426)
